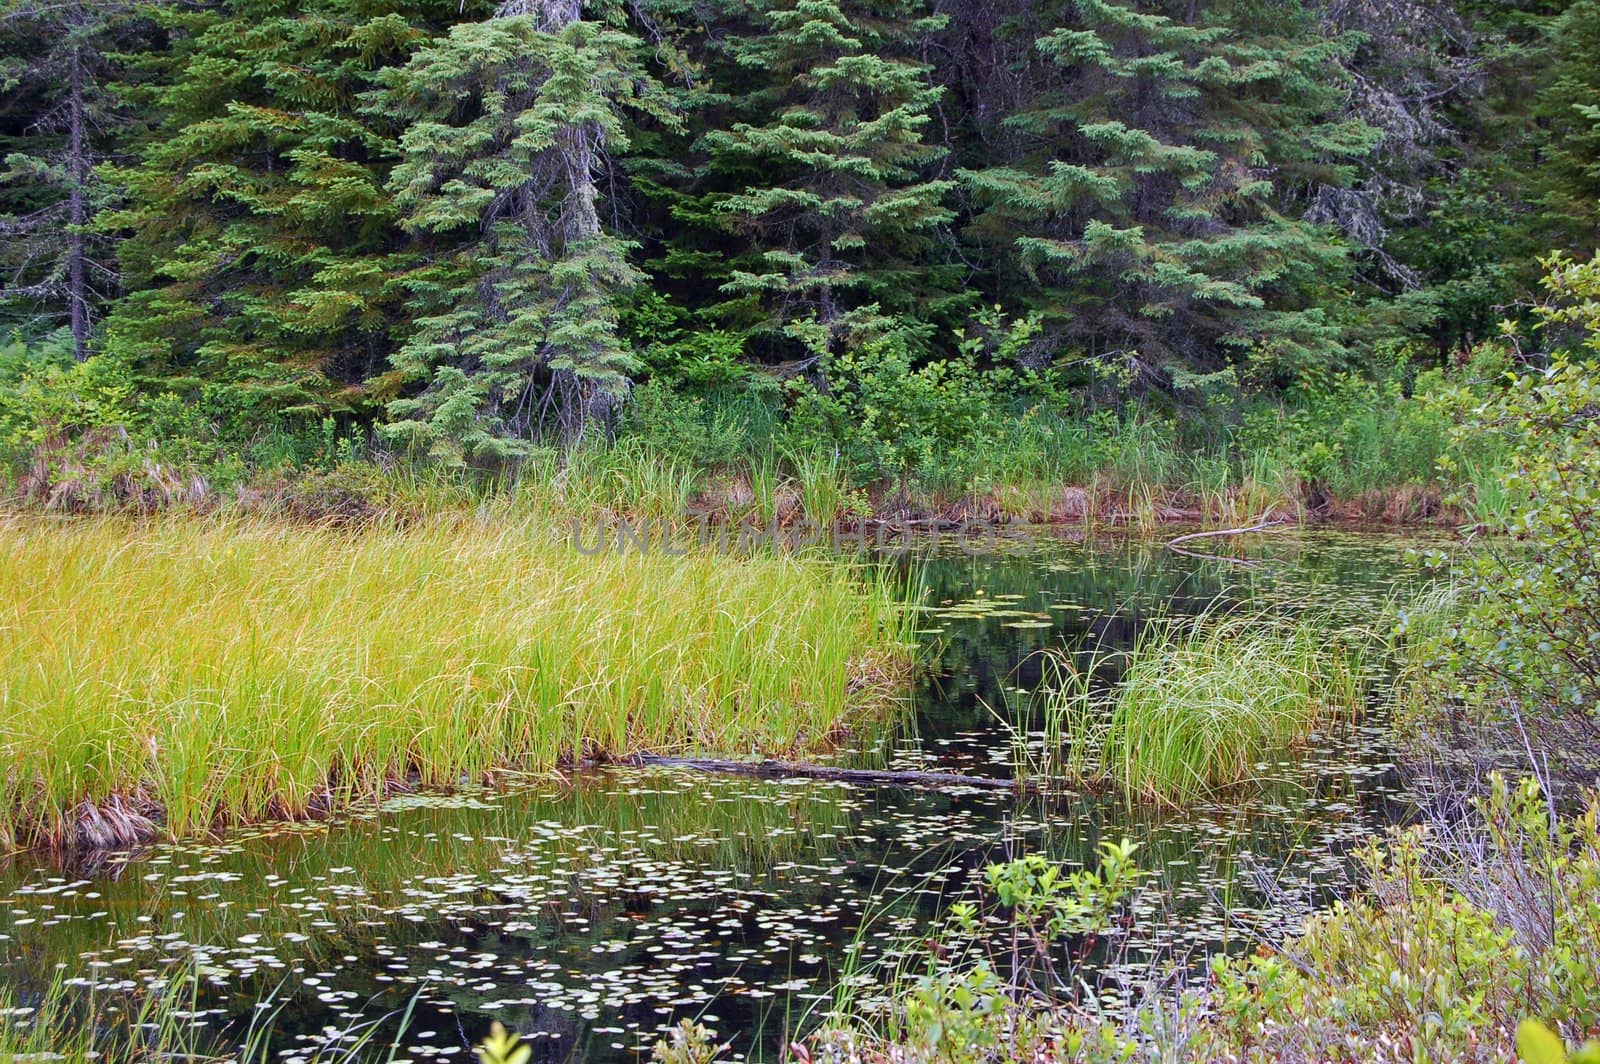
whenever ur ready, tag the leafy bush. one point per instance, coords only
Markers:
(45, 396)
(1450, 946)
(1528, 636)
(687, 1043)
(1531, 631)
(890, 420)
(980, 999)
(1049, 904)
(92, 435)
(1460, 935)
(75, 437)
(502, 1047)
(705, 430)
(1359, 435)
(1538, 1044)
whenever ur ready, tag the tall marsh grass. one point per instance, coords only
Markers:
(172, 676)
(56, 1022)
(825, 494)
(70, 1021)
(1204, 705)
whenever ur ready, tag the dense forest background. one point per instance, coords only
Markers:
(466, 231)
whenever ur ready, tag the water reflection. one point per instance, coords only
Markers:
(590, 914)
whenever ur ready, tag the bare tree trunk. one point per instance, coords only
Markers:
(78, 197)
(580, 148)
(550, 15)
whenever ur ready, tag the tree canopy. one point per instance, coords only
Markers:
(474, 226)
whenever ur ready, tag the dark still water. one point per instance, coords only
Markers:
(590, 916)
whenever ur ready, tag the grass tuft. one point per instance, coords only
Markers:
(1207, 705)
(175, 676)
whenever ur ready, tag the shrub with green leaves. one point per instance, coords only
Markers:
(890, 419)
(1356, 435)
(1446, 951)
(1532, 632)
(1462, 934)
(1528, 638)
(96, 435)
(78, 434)
(983, 998)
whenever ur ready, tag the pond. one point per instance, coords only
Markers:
(590, 914)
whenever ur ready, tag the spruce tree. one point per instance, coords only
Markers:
(1151, 205)
(1519, 173)
(823, 167)
(58, 60)
(263, 248)
(508, 122)
(1568, 109)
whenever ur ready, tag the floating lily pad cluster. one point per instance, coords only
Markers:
(594, 914)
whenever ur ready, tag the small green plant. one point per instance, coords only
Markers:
(953, 1014)
(891, 419)
(1048, 904)
(502, 1047)
(961, 1008)
(688, 1043)
(1538, 1044)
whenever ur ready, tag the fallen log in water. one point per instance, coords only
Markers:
(1264, 526)
(1215, 533)
(769, 769)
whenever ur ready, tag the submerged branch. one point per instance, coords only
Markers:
(1264, 526)
(1276, 522)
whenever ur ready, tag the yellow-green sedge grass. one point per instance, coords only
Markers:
(198, 672)
(1204, 703)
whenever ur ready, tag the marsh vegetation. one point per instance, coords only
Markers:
(418, 417)
(591, 914)
(169, 678)
(1202, 703)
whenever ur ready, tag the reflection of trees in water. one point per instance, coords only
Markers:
(555, 872)
(329, 883)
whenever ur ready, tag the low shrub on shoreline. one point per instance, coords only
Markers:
(83, 438)
(1458, 939)
(172, 676)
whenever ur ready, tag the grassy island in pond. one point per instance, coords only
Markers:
(175, 676)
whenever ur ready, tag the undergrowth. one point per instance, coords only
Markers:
(1469, 941)
(88, 437)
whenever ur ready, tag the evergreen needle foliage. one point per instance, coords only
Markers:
(521, 319)
(949, 245)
